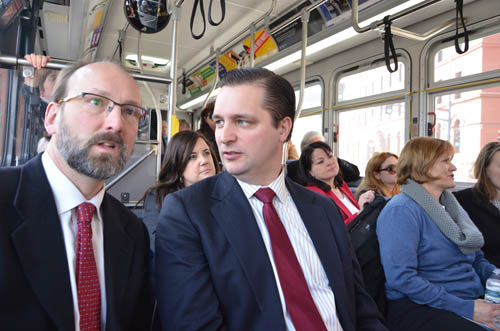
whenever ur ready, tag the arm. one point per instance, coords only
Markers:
(398, 232)
(185, 293)
(483, 268)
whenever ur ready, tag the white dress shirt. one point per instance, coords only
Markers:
(67, 197)
(308, 258)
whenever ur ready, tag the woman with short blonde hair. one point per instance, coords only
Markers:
(430, 249)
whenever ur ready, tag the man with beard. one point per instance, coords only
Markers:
(71, 256)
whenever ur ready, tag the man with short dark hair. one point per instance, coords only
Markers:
(249, 249)
(73, 257)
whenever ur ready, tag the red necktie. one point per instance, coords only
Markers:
(299, 302)
(87, 280)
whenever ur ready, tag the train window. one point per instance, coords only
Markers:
(481, 57)
(468, 123)
(370, 82)
(370, 110)
(311, 118)
(463, 96)
(372, 129)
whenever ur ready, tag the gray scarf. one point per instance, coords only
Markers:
(453, 222)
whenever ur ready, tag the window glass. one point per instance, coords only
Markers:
(374, 129)
(371, 82)
(313, 97)
(3, 109)
(305, 124)
(468, 120)
(482, 56)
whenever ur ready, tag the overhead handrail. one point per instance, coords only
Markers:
(61, 64)
(398, 31)
(216, 80)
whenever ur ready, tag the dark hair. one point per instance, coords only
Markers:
(279, 96)
(177, 155)
(484, 184)
(207, 112)
(305, 164)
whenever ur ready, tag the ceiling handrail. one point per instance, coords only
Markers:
(398, 31)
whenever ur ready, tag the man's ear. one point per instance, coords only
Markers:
(51, 117)
(284, 128)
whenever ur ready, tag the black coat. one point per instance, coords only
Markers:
(486, 217)
(35, 289)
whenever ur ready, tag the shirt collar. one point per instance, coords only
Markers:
(66, 195)
(278, 186)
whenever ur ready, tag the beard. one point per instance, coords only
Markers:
(78, 155)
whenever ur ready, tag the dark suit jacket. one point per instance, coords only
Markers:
(35, 289)
(486, 217)
(212, 268)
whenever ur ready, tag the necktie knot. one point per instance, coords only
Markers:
(265, 194)
(85, 212)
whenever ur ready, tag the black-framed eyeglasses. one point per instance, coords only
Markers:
(100, 105)
(390, 169)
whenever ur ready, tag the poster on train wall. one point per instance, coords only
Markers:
(237, 57)
(94, 26)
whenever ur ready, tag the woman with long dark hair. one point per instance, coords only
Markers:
(320, 172)
(189, 158)
(207, 127)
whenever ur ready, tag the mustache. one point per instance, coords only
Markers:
(116, 138)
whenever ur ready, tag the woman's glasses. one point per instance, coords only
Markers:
(390, 169)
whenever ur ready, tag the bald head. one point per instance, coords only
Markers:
(309, 138)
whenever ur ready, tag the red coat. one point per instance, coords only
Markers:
(348, 217)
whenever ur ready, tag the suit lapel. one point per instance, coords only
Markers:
(321, 232)
(118, 251)
(39, 243)
(229, 210)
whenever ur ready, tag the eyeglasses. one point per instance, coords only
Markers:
(96, 104)
(390, 169)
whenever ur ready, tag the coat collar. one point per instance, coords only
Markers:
(39, 243)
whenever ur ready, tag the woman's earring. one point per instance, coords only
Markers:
(181, 180)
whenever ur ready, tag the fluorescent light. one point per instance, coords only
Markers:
(336, 38)
(198, 100)
(156, 60)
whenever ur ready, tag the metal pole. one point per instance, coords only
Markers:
(61, 64)
(176, 16)
(252, 45)
(128, 170)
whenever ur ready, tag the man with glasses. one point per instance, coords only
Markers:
(72, 256)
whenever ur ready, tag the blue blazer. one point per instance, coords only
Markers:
(35, 289)
(212, 268)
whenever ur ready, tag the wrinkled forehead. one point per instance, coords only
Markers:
(107, 78)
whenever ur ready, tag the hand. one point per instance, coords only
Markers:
(486, 313)
(37, 61)
(366, 197)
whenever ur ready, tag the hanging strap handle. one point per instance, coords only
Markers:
(389, 50)
(193, 14)
(460, 12)
(223, 10)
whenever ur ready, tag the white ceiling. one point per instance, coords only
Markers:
(239, 15)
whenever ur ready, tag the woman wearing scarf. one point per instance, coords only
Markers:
(430, 249)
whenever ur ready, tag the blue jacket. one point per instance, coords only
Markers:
(422, 264)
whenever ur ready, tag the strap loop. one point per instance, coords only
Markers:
(389, 50)
(193, 14)
(460, 12)
(223, 10)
